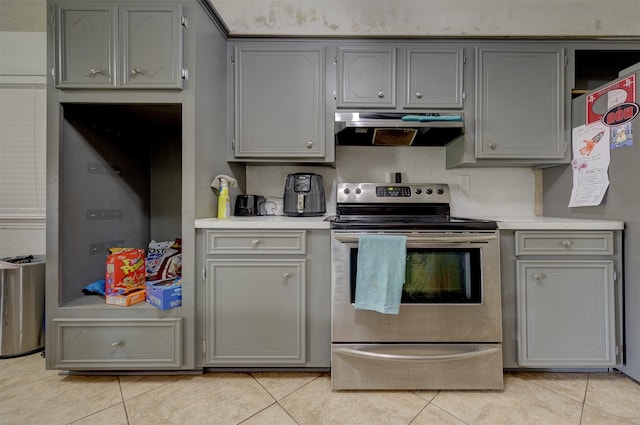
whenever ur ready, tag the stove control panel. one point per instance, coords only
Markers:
(393, 193)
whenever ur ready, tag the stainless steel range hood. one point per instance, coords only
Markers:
(397, 128)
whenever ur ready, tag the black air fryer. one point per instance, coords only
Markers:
(304, 195)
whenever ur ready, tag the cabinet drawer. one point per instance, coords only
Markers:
(257, 242)
(117, 344)
(564, 243)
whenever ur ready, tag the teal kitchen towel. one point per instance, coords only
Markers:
(382, 261)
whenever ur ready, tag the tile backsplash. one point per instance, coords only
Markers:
(475, 192)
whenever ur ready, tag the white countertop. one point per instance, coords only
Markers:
(555, 223)
(508, 223)
(265, 222)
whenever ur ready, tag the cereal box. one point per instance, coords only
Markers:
(126, 272)
(165, 294)
(125, 300)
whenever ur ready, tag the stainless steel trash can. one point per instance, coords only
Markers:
(21, 305)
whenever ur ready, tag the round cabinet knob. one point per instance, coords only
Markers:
(255, 242)
(380, 94)
(492, 146)
(117, 344)
(419, 95)
(567, 244)
(94, 71)
(539, 276)
(136, 71)
(309, 145)
(286, 275)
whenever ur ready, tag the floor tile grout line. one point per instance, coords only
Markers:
(124, 405)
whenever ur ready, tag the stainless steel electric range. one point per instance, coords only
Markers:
(448, 332)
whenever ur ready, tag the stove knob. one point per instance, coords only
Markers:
(440, 191)
(358, 191)
(418, 191)
(347, 191)
(429, 191)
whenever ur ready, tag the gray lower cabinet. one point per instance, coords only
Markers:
(265, 298)
(96, 344)
(279, 103)
(566, 299)
(118, 45)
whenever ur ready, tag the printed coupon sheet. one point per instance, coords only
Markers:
(591, 158)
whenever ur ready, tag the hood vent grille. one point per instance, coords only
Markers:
(397, 129)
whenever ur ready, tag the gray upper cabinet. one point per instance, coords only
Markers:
(279, 103)
(394, 77)
(111, 45)
(520, 103)
(434, 78)
(366, 77)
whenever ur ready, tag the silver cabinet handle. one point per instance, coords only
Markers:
(539, 276)
(255, 242)
(286, 275)
(117, 344)
(136, 71)
(492, 146)
(351, 352)
(567, 244)
(94, 71)
(380, 94)
(419, 95)
(309, 145)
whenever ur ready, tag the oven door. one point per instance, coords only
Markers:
(464, 309)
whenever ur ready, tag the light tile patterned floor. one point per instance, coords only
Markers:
(29, 394)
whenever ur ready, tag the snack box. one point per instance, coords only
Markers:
(126, 272)
(165, 294)
(125, 300)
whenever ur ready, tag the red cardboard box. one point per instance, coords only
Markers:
(126, 272)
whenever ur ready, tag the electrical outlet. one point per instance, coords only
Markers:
(464, 183)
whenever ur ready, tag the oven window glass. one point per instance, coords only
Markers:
(436, 276)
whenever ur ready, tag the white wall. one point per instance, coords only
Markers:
(432, 18)
(492, 192)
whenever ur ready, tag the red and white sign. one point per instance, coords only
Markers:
(622, 91)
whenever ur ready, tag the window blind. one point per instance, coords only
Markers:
(22, 151)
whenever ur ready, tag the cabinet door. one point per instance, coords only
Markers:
(255, 312)
(434, 78)
(279, 111)
(366, 77)
(566, 313)
(150, 46)
(520, 106)
(86, 37)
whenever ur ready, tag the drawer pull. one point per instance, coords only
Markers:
(380, 94)
(539, 276)
(117, 344)
(567, 244)
(286, 275)
(419, 95)
(255, 242)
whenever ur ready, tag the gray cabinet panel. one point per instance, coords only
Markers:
(256, 313)
(257, 242)
(279, 102)
(434, 78)
(151, 46)
(520, 103)
(564, 243)
(117, 45)
(566, 313)
(85, 344)
(367, 77)
(86, 36)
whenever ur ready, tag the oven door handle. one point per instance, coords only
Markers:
(354, 237)
(414, 358)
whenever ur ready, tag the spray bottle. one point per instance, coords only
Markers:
(224, 203)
